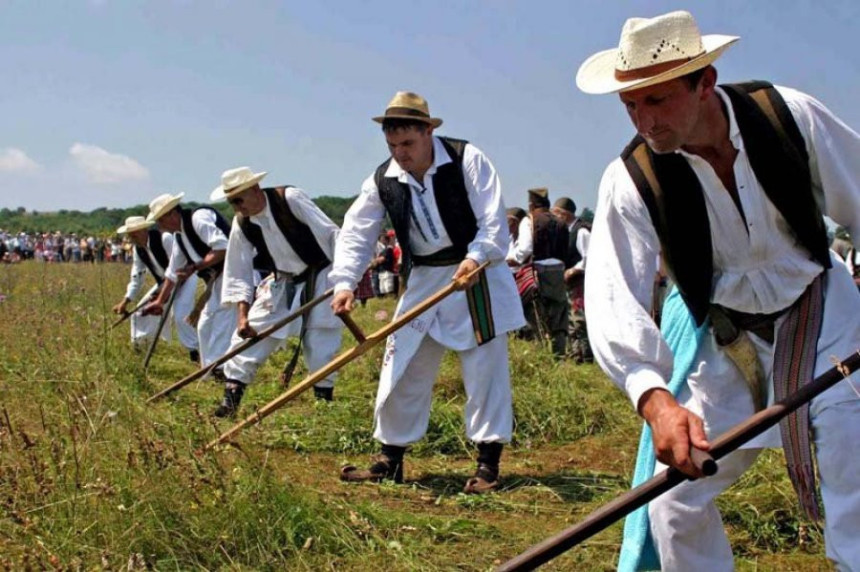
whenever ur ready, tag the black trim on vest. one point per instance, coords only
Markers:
(573, 254)
(297, 234)
(452, 200)
(675, 200)
(197, 243)
(156, 246)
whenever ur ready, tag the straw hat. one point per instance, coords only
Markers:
(651, 51)
(134, 223)
(234, 181)
(162, 204)
(408, 105)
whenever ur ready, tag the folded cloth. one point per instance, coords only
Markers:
(684, 338)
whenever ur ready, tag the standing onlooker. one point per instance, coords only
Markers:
(579, 233)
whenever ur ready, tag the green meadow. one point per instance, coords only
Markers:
(93, 478)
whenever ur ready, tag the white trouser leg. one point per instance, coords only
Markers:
(403, 418)
(487, 380)
(838, 455)
(686, 525)
(182, 306)
(320, 347)
(215, 327)
(142, 329)
(243, 367)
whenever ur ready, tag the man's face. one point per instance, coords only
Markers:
(666, 114)
(139, 236)
(564, 216)
(171, 222)
(411, 147)
(249, 202)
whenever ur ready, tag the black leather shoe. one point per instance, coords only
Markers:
(233, 392)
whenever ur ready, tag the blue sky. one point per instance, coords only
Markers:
(110, 103)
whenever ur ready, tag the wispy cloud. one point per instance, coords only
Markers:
(102, 166)
(16, 161)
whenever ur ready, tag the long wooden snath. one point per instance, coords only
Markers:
(720, 447)
(301, 311)
(365, 344)
(165, 315)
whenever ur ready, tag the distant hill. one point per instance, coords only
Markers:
(104, 221)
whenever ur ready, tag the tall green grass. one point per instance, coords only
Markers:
(93, 478)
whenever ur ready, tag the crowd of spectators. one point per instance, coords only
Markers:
(62, 247)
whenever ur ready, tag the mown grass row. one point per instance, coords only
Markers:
(93, 478)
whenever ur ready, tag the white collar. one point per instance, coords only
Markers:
(440, 157)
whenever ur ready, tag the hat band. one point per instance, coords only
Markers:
(395, 111)
(649, 71)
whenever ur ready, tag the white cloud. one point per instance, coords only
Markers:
(16, 161)
(101, 166)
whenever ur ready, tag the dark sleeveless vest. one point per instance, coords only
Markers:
(452, 199)
(197, 243)
(675, 200)
(162, 257)
(549, 236)
(298, 234)
(573, 254)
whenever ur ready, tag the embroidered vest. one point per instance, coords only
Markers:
(298, 234)
(549, 236)
(675, 200)
(156, 246)
(197, 243)
(452, 199)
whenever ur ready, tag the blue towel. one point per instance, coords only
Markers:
(684, 338)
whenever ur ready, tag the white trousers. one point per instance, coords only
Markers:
(402, 419)
(319, 348)
(685, 523)
(215, 327)
(143, 327)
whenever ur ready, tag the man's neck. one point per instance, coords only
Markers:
(710, 138)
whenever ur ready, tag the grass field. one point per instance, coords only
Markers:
(93, 478)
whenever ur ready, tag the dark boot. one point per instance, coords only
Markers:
(218, 375)
(486, 476)
(233, 392)
(194, 356)
(387, 465)
(324, 393)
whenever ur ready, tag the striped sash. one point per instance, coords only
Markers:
(793, 366)
(481, 310)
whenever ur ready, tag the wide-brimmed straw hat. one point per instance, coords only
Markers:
(162, 204)
(234, 181)
(134, 223)
(651, 51)
(408, 105)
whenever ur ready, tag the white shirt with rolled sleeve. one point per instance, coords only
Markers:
(758, 267)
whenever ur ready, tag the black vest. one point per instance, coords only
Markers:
(452, 199)
(298, 234)
(162, 257)
(197, 243)
(549, 236)
(676, 203)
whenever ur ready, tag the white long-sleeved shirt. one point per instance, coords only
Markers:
(238, 284)
(759, 267)
(426, 230)
(139, 269)
(203, 222)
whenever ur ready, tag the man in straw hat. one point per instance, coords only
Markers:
(199, 246)
(445, 203)
(727, 182)
(542, 248)
(152, 253)
(283, 226)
